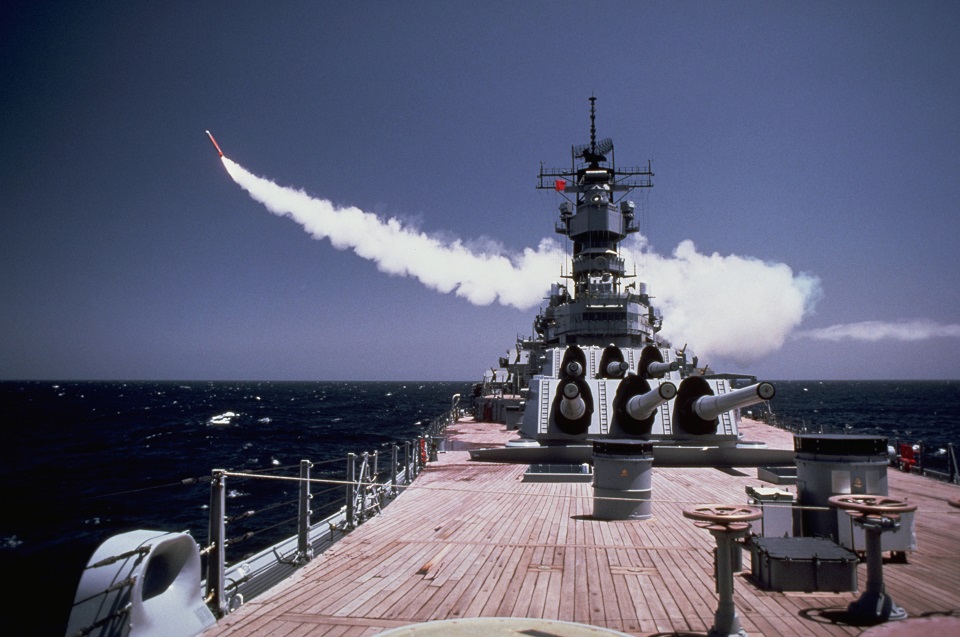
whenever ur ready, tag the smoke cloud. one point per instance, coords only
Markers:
(871, 331)
(736, 307)
(739, 308)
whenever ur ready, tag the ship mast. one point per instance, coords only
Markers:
(596, 215)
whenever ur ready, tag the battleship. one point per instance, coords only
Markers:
(598, 365)
(600, 480)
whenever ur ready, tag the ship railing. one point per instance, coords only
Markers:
(916, 457)
(368, 486)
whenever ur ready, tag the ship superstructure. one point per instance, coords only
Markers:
(596, 216)
(596, 364)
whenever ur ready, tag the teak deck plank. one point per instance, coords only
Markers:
(470, 539)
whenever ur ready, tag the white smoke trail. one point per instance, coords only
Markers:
(480, 276)
(739, 308)
(735, 307)
(872, 331)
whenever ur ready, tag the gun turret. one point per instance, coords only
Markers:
(697, 408)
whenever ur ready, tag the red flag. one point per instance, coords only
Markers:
(559, 185)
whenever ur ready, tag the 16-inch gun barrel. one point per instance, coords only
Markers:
(572, 405)
(656, 370)
(616, 369)
(642, 406)
(710, 407)
(574, 369)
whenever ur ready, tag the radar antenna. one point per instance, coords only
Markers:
(594, 152)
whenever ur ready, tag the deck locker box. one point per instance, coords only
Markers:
(807, 564)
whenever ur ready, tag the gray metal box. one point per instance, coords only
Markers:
(802, 564)
(777, 508)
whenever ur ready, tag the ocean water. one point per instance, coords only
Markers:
(82, 461)
(918, 412)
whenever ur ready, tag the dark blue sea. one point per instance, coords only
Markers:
(82, 461)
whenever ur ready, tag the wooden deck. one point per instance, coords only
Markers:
(470, 539)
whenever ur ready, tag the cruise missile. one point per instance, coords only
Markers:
(215, 144)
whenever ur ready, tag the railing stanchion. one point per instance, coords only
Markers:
(216, 560)
(375, 475)
(954, 469)
(393, 468)
(413, 461)
(351, 489)
(362, 481)
(406, 462)
(304, 552)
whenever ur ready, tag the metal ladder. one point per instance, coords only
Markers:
(544, 406)
(602, 406)
(725, 416)
(665, 419)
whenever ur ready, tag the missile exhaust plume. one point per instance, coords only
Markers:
(735, 307)
(481, 277)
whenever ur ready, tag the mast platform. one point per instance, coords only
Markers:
(470, 539)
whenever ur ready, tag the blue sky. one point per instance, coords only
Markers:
(818, 136)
